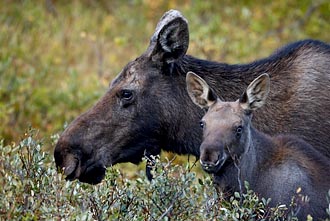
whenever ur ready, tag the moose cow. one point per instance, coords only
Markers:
(275, 167)
(147, 108)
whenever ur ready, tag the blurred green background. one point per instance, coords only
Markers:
(58, 57)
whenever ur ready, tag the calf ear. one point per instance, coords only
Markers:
(256, 93)
(199, 91)
(171, 38)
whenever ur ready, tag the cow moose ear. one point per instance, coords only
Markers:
(256, 93)
(199, 91)
(171, 38)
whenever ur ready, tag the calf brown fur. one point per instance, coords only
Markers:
(275, 167)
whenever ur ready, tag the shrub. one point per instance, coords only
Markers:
(32, 189)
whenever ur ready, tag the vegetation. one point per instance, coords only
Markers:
(58, 57)
(31, 189)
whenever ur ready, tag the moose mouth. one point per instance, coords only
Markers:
(214, 168)
(93, 174)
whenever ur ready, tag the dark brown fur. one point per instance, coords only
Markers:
(160, 115)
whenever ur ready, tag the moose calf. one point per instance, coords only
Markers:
(233, 150)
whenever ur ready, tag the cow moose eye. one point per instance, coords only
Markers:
(126, 95)
(239, 131)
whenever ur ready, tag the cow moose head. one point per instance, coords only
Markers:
(124, 124)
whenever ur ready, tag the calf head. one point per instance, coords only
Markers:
(226, 125)
(133, 117)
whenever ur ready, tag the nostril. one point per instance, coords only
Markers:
(66, 162)
(69, 152)
(72, 170)
(70, 165)
(58, 158)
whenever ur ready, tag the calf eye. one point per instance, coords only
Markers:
(239, 131)
(201, 124)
